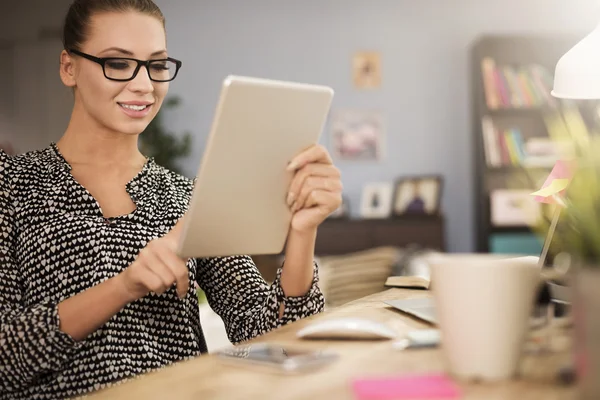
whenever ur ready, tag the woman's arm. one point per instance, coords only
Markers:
(247, 304)
(297, 273)
(40, 338)
(155, 269)
(84, 313)
(31, 342)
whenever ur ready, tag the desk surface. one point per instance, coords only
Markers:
(208, 377)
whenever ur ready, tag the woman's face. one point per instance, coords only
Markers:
(110, 103)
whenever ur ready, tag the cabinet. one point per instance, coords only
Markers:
(341, 236)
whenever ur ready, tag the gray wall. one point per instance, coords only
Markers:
(426, 80)
(34, 104)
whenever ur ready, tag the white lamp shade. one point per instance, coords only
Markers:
(577, 74)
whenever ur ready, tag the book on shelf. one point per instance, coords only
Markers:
(508, 147)
(516, 86)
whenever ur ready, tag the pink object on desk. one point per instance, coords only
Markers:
(406, 387)
(563, 169)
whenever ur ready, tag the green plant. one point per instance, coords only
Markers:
(578, 230)
(165, 147)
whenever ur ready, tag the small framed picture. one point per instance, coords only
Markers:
(376, 200)
(509, 207)
(366, 69)
(419, 195)
(357, 135)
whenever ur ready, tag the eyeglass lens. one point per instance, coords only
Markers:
(160, 70)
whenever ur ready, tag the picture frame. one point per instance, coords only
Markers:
(376, 200)
(418, 195)
(513, 207)
(357, 135)
(366, 69)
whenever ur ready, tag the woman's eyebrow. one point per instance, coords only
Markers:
(129, 53)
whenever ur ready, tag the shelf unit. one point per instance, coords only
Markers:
(517, 114)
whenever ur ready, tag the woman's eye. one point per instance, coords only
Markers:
(117, 64)
(160, 67)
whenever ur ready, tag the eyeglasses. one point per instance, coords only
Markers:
(126, 69)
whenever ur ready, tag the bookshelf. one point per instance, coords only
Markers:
(514, 118)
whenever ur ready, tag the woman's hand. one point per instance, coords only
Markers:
(316, 188)
(157, 268)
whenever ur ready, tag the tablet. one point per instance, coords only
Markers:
(238, 205)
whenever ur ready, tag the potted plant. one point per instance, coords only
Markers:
(577, 236)
(165, 147)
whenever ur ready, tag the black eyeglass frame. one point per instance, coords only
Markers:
(102, 61)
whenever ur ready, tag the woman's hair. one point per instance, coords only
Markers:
(76, 27)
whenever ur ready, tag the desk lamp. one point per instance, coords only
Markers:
(577, 74)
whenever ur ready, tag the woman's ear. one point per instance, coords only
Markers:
(67, 69)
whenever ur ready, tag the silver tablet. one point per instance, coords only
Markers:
(239, 202)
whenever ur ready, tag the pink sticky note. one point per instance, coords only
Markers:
(406, 387)
(561, 170)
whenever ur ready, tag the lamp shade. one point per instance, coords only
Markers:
(577, 74)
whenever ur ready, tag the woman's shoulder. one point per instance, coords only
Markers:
(174, 180)
(30, 161)
(5, 164)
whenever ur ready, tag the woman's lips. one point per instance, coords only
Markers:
(135, 110)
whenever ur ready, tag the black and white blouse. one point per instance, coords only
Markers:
(55, 243)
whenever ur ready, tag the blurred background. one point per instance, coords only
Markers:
(407, 124)
(424, 98)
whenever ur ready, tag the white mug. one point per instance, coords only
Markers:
(483, 305)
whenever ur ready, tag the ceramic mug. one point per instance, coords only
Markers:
(483, 304)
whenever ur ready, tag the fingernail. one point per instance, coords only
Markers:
(292, 166)
(294, 207)
(290, 199)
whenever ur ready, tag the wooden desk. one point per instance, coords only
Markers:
(207, 377)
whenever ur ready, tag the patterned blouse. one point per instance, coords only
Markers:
(55, 243)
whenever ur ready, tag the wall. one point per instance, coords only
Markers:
(6, 94)
(34, 105)
(426, 79)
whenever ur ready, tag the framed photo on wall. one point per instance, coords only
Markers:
(418, 195)
(376, 200)
(366, 69)
(357, 135)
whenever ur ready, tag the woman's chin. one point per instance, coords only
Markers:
(133, 128)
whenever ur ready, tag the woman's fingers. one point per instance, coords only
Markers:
(311, 170)
(177, 267)
(316, 154)
(313, 184)
(326, 201)
(158, 258)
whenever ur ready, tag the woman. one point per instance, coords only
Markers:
(91, 291)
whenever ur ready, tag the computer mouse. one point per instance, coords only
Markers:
(346, 328)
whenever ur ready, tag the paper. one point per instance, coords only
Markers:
(562, 171)
(406, 387)
(557, 186)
